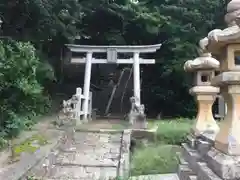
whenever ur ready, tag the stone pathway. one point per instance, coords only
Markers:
(85, 156)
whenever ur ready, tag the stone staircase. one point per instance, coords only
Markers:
(195, 162)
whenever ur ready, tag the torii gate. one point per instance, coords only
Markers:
(112, 57)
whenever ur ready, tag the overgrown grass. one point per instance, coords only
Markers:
(155, 159)
(172, 131)
(161, 157)
(123, 125)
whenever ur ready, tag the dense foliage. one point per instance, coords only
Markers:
(48, 24)
(21, 91)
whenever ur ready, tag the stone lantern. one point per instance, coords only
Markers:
(220, 159)
(204, 70)
(226, 44)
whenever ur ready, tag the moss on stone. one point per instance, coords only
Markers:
(30, 145)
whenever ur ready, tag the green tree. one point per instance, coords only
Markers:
(178, 24)
(21, 93)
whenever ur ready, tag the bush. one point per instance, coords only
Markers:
(21, 92)
(173, 131)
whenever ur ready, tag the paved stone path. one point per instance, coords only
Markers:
(84, 156)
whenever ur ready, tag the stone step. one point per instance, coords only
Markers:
(191, 156)
(184, 172)
(223, 165)
(181, 160)
(192, 178)
(205, 173)
(156, 177)
(203, 146)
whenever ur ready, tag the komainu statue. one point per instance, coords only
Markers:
(137, 116)
(67, 115)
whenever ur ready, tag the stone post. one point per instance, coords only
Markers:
(204, 93)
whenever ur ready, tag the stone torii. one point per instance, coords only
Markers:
(112, 58)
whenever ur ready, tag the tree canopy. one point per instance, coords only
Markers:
(49, 24)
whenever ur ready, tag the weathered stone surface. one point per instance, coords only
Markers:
(88, 159)
(76, 173)
(184, 172)
(191, 141)
(205, 173)
(149, 134)
(27, 161)
(92, 156)
(124, 164)
(208, 136)
(225, 166)
(191, 156)
(181, 160)
(192, 178)
(203, 147)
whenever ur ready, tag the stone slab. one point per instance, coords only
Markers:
(225, 166)
(87, 156)
(208, 136)
(26, 162)
(181, 160)
(205, 173)
(102, 131)
(192, 178)
(184, 172)
(75, 173)
(92, 142)
(156, 177)
(88, 159)
(203, 147)
(191, 141)
(149, 134)
(191, 156)
(124, 163)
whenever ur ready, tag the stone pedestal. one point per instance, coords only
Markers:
(228, 138)
(205, 97)
(137, 120)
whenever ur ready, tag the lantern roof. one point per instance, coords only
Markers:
(219, 38)
(204, 62)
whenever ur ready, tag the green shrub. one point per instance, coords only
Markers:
(21, 90)
(154, 159)
(161, 157)
(173, 131)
